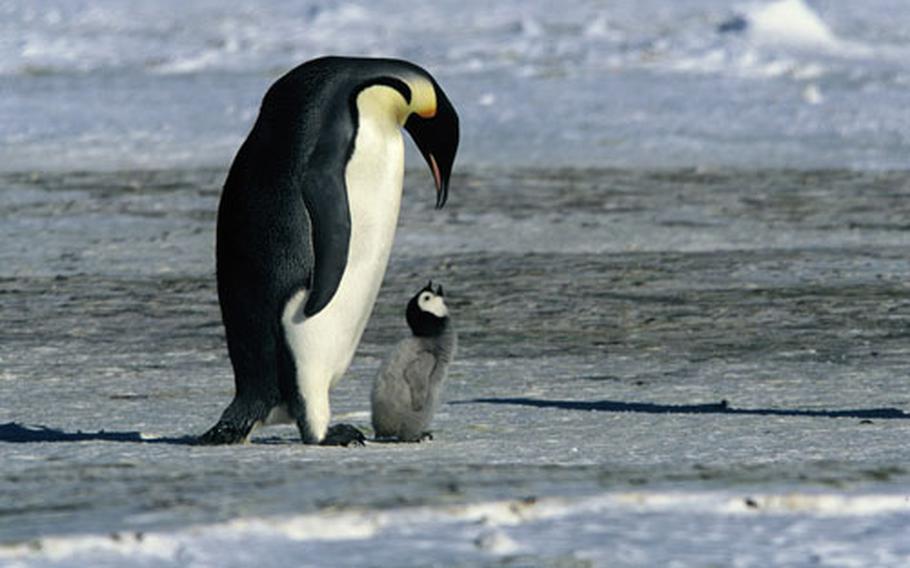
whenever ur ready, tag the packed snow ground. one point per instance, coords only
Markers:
(709, 367)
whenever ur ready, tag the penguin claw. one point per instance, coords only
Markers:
(224, 433)
(419, 439)
(396, 439)
(343, 435)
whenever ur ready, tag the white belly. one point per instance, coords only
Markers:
(324, 344)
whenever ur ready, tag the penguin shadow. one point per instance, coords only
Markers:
(722, 407)
(15, 433)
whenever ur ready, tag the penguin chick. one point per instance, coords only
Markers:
(406, 390)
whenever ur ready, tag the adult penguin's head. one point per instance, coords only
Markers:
(423, 108)
(435, 131)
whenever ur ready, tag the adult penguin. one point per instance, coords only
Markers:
(305, 226)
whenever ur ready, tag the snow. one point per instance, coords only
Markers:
(604, 530)
(790, 22)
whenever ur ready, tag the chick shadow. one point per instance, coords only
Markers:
(722, 407)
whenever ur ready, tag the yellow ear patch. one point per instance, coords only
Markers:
(385, 100)
(423, 97)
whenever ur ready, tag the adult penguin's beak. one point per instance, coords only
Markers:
(436, 137)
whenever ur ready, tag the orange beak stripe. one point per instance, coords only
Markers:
(436, 174)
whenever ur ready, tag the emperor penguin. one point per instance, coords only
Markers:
(406, 391)
(305, 226)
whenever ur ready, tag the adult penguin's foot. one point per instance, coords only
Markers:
(343, 435)
(225, 432)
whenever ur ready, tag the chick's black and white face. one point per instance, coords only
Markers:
(432, 303)
(427, 313)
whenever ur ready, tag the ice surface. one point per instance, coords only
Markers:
(644, 83)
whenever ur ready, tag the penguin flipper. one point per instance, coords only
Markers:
(417, 376)
(326, 202)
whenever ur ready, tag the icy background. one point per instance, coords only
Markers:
(88, 84)
(696, 357)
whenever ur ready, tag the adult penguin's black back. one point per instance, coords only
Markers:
(305, 226)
